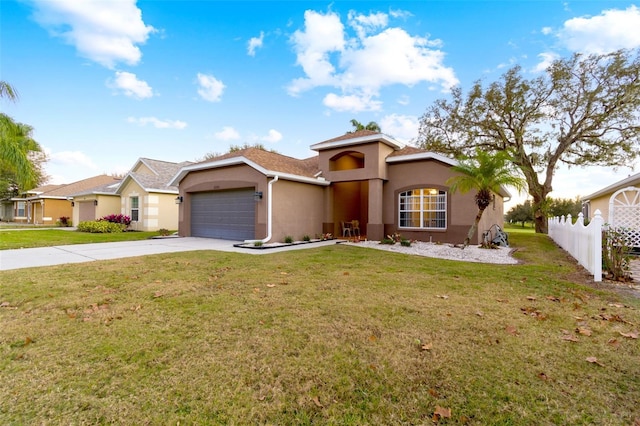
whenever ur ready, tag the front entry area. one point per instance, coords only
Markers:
(228, 215)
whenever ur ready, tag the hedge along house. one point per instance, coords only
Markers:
(95, 203)
(47, 204)
(148, 197)
(366, 176)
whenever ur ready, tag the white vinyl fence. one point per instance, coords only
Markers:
(584, 243)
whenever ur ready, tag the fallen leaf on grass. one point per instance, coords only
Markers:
(441, 412)
(316, 401)
(553, 298)
(614, 342)
(630, 335)
(442, 297)
(543, 376)
(158, 294)
(594, 360)
(5, 304)
(271, 285)
(616, 305)
(502, 300)
(531, 298)
(434, 393)
(511, 330)
(570, 338)
(427, 346)
(584, 331)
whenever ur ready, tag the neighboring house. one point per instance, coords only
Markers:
(47, 204)
(366, 176)
(94, 203)
(619, 205)
(147, 196)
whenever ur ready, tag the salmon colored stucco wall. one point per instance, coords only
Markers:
(461, 208)
(297, 210)
(48, 210)
(374, 163)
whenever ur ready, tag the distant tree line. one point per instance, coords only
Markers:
(524, 213)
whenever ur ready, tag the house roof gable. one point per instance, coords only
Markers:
(71, 189)
(266, 162)
(358, 138)
(159, 180)
(628, 181)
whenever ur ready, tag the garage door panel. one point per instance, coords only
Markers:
(223, 214)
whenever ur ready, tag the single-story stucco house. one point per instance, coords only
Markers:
(148, 197)
(619, 205)
(48, 203)
(364, 176)
(95, 203)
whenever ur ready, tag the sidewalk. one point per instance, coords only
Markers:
(77, 253)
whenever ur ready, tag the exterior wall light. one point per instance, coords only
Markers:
(95, 202)
(179, 199)
(257, 196)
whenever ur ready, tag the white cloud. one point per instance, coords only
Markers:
(107, 32)
(351, 103)
(273, 136)
(210, 89)
(613, 29)
(401, 127)
(546, 59)
(359, 66)
(546, 30)
(70, 158)
(255, 43)
(227, 133)
(129, 84)
(157, 123)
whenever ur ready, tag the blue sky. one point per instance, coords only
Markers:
(106, 82)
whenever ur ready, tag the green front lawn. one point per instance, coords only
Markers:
(328, 335)
(28, 238)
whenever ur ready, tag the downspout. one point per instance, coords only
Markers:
(269, 212)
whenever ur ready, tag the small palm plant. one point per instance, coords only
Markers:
(486, 173)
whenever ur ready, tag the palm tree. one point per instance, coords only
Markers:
(485, 173)
(357, 126)
(7, 91)
(16, 144)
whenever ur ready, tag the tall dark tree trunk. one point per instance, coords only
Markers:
(539, 206)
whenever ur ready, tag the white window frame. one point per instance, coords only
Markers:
(24, 208)
(427, 205)
(135, 209)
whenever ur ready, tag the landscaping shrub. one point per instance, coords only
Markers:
(288, 239)
(64, 221)
(101, 227)
(616, 254)
(117, 218)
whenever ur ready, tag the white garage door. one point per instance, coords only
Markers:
(229, 215)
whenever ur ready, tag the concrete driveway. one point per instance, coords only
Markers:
(77, 253)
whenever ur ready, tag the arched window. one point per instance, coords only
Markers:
(424, 208)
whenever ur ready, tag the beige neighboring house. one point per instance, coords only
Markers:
(364, 178)
(94, 203)
(619, 205)
(147, 196)
(45, 205)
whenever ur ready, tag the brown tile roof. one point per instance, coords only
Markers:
(352, 135)
(80, 186)
(43, 188)
(407, 150)
(274, 161)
